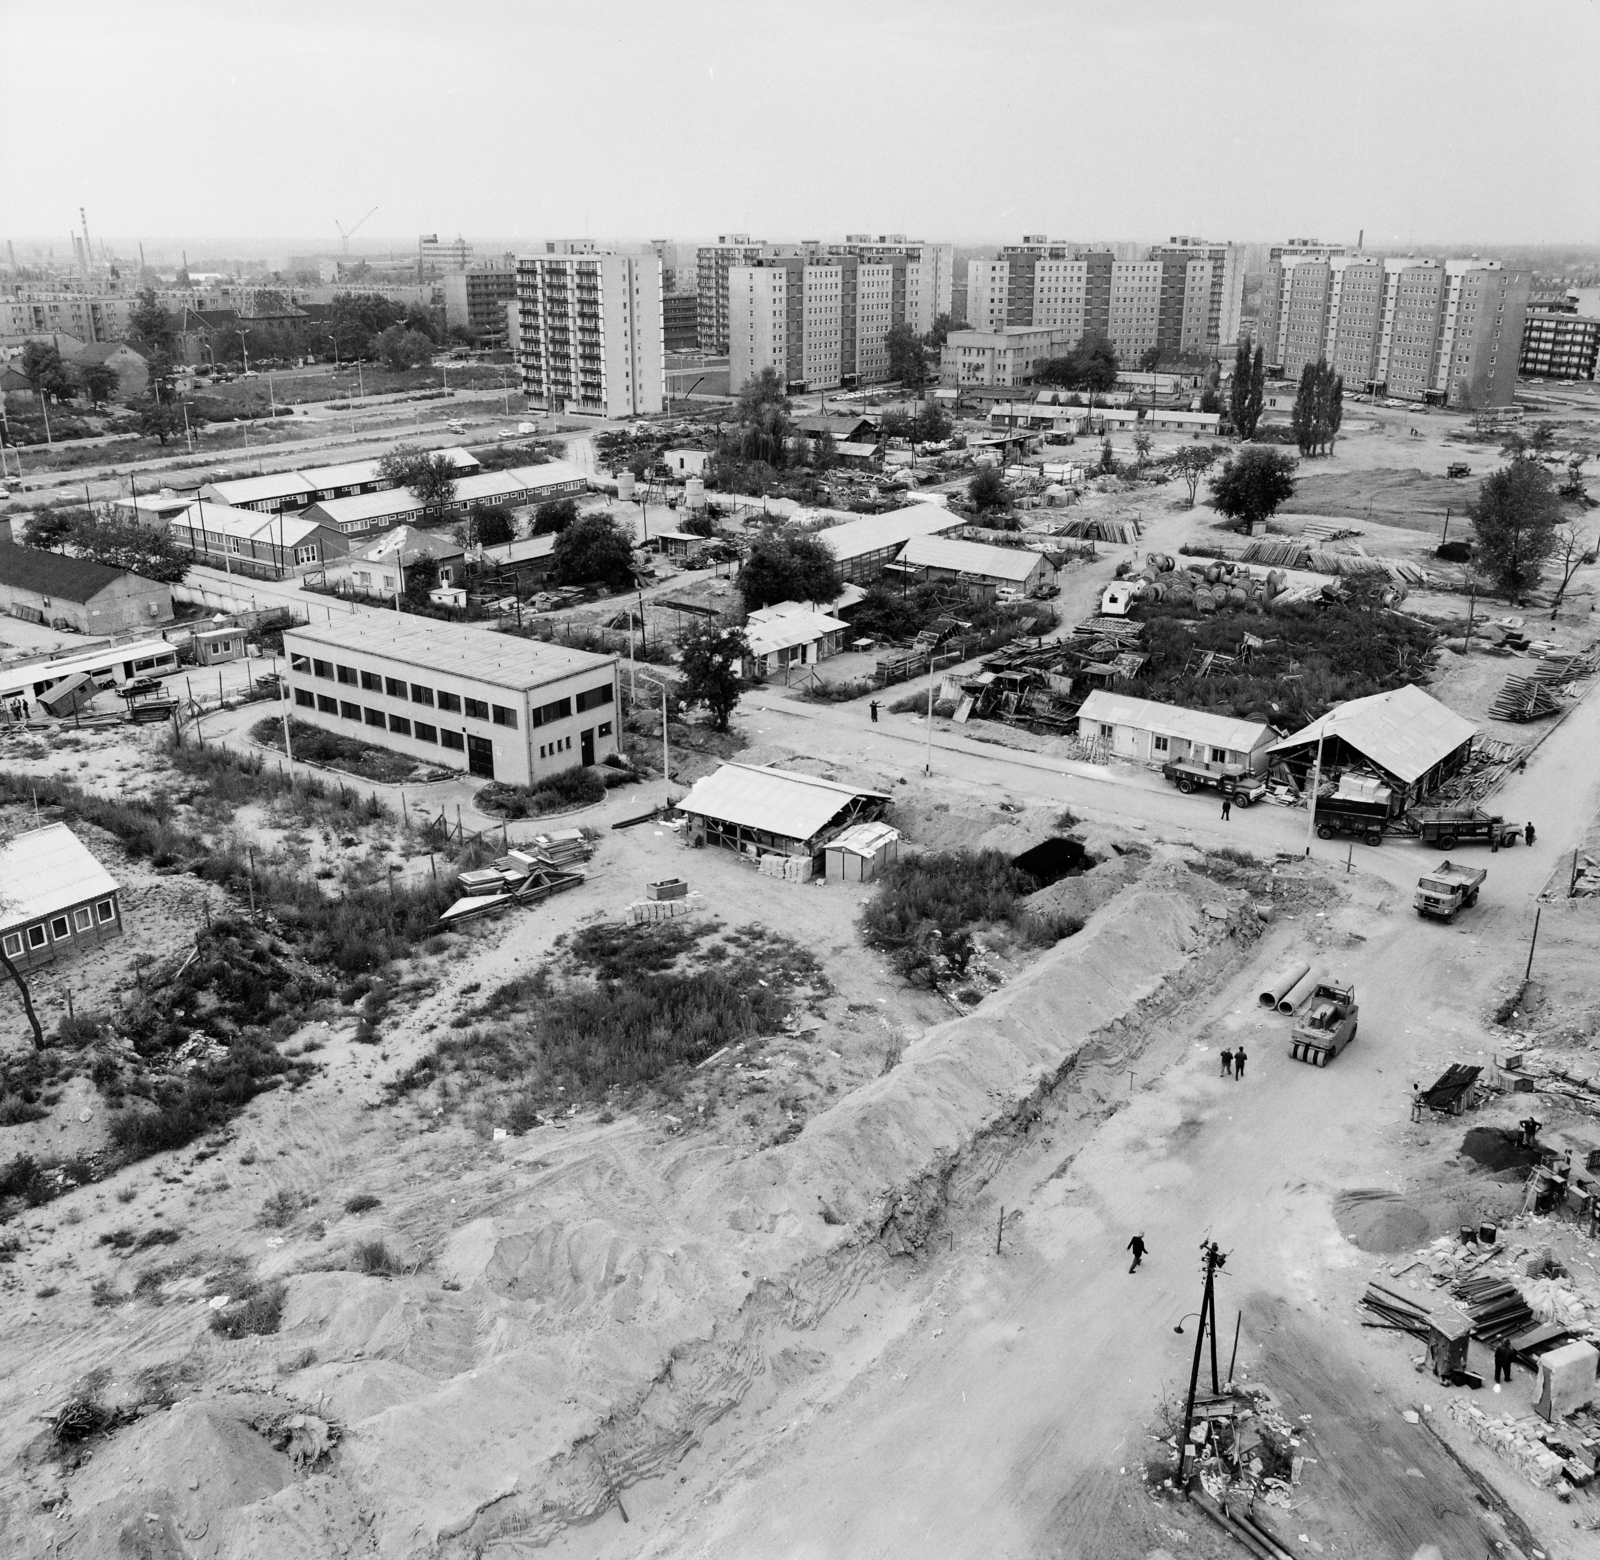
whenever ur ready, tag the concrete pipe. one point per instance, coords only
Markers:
(1277, 985)
(1299, 991)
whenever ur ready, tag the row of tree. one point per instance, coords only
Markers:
(51, 377)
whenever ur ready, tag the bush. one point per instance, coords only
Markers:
(374, 1258)
(361, 1203)
(256, 1313)
(281, 1207)
(571, 788)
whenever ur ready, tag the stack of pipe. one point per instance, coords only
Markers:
(1300, 991)
(1277, 986)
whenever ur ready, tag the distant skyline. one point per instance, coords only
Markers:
(1425, 124)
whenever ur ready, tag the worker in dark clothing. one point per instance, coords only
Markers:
(1227, 807)
(1227, 1064)
(874, 708)
(1527, 832)
(1136, 1246)
(1494, 838)
(1238, 1063)
(1502, 1361)
(1530, 1130)
(1416, 1102)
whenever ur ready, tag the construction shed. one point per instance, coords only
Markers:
(796, 637)
(862, 852)
(1165, 733)
(70, 695)
(56, 900)
(863, 548)
(934, 558)
(1405, 736)
(760, 811)
(73, 593)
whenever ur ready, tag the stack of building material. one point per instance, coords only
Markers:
(565, 848)
(1317, 531)
(1102, 529)
(1495, 1306)
(1523, 698)
(1516, 1440)
(1275, 552)
(646, 910)
(793, 869)
(1395, 1311)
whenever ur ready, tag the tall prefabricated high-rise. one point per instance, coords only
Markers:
(589, 333)
(1442, 331)
(1185, 296)
(713, 262)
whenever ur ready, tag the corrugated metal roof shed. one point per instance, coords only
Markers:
(1405, 731)
(479, 487)
(792, 628)
(257, 490)
(45, 871)
(865, 839)
(1170, 720)
(777, 801)
(872, 533)
(53, 574)
(994, 563)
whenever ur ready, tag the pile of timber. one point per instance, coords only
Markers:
(1326, 530)
(1345, 562)
(564, 849)
(1121, 631)
(1102, 530)
(1524, 698)
(1395, 1311)
(1495, 1307)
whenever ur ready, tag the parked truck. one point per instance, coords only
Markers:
(1336, 815)
(1447, 827)
(1238, 785)
(1447, 889)
(1326, 1025)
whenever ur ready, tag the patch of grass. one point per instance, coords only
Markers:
(280, 1208)
(361, 1203)
(256, 1312)
(334, 750)
(572, 788)
(103, 1294)
(927, 903)
(374, 1258)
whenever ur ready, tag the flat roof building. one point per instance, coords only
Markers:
(276, 490)
(933, 558)
(497, 706)
(1558, 342)
(515, 488)
(1166, 733)
(55, 898)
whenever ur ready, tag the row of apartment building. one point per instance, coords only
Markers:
(1448, 332)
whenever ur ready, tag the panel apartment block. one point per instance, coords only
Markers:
(1558, 342)
(493, 705)
(589, 333)
(713, 263)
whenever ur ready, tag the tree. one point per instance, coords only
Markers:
(1542, 436)
(1192, 462)
(940, 333)
(27, 1000)
(420, 322)
(1252, 484)
(987, 490)
(787, 568)
(150, 325)
(908, 357)
(492, 525)
(1318, 408)
(115, 542)
(697, 523)
(1248, 392)
(159, 421)
(896, 424)
(51, 529)
(428, 476)
(761, 391)
(355, 320)
(1097, 365)
(824, 452)
(709, 654)
(1515, 516)
(1142, 445)
(593, 550)
(42, 367)
(1150, 360)
(933, 423)
(1571, 551)
(554, 514)
(99, 382)
(421, 576)
(399, 348)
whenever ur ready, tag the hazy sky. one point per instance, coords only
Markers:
(1417, 120)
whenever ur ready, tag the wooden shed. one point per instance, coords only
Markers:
(860, 853)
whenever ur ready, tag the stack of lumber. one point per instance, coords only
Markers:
(1121, 631)
(1102, 530)
(1395, 1311)
(565, 848)
(1327, 530)
(1523, 698)
(1276, 553)
(1496, 1308)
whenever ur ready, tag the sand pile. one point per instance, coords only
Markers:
(1380, 1222)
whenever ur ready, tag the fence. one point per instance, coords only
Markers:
(242, 607)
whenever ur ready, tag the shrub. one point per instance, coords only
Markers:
(361, 1203)
(255, 1313)
(374, 1258)
(281, 1207)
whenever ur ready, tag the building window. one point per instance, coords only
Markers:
(1159, 745)
(505, 717)
(347, 674)
(395, 687)
(326, 705)
(400, 725)
(477, 709)
(447, 701)
(1219, 755)
(302, 697)
(451, 739)
(306, 554)
(349, 711)
(36, 936)
(298, 662)
(372, 682)
(82, 918)
(13, 944)
(60, 927)
(423, 732)
(322, 668)
(592, 697)
(558, 709)
(376, 718)
(605, 728)
(105, 911)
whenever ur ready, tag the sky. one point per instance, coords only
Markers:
(1417, 121)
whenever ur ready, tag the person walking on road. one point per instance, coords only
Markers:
(1227, 1064)
(1502, 1363)
(1238, 1063)
(874, 708)
(1136, 1246)
(1227, 807)
(1527, 833)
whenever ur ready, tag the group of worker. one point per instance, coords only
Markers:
(1233, 1063)
(1527, 834)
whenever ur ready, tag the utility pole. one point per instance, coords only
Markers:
(1211, 1259)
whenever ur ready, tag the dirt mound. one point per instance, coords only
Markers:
(1380, 1222)
(1081, 895)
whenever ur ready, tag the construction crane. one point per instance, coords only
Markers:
(346, 237)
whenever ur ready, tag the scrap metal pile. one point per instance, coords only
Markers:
(1043, 687)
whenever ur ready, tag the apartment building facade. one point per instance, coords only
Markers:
(442, 259)
(713, 265)
(1443, 331)
(494, 706)
(976, 359)
(476, 300)
(1558, 342)
(589, 333)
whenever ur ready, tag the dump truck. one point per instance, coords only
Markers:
(1238, 785)
(1335, 815)
(1447, 827)
(1326, 1025)
(1445, 890)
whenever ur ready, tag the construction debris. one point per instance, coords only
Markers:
(1524, 699)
